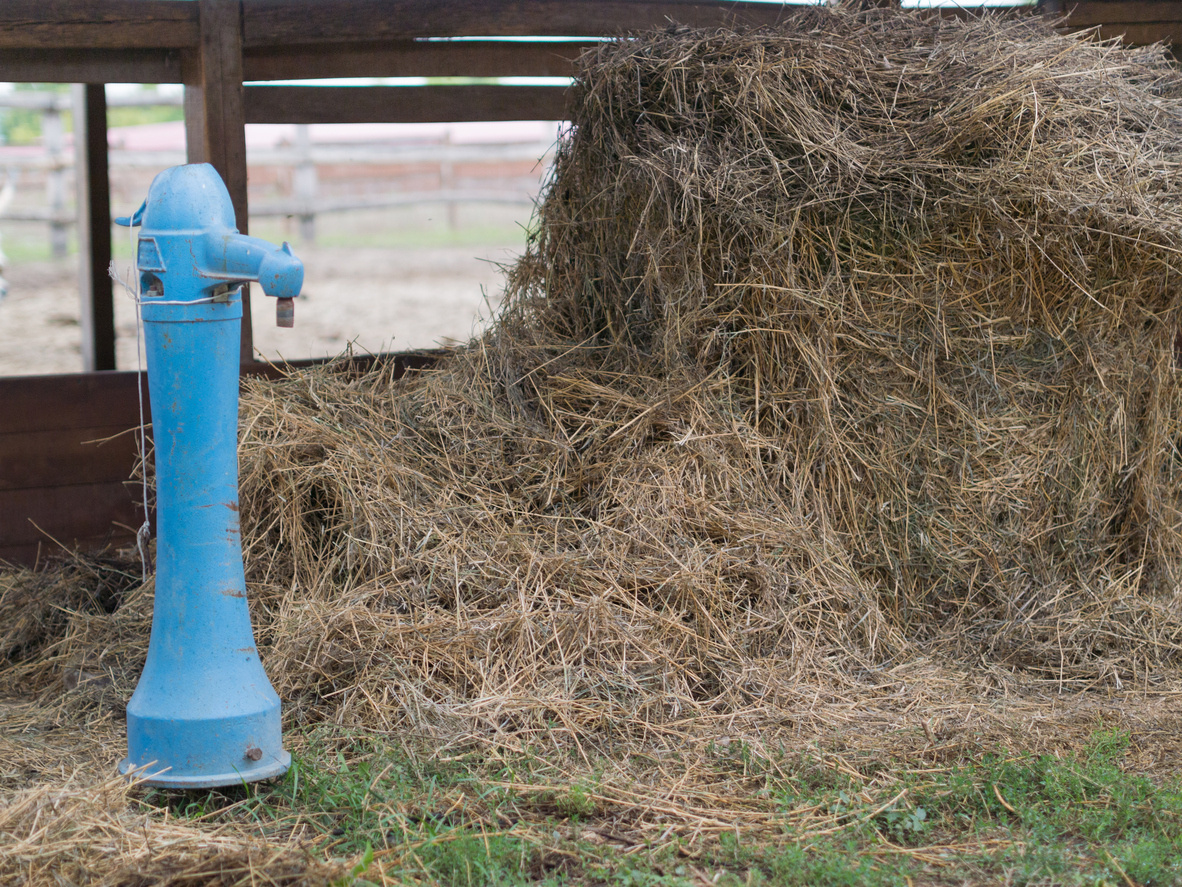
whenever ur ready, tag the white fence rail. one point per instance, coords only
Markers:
(432, 172)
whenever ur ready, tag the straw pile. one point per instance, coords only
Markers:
(86, 834)
(838, 353)
(830, 343)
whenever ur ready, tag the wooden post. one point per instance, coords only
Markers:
(215, 128)
(447, 183)
(304, 184)
(53, 133)
(94, 226)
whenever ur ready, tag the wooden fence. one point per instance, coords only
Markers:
(438, 170)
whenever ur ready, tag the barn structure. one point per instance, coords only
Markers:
(57, 484)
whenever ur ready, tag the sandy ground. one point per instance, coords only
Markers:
(375, 298)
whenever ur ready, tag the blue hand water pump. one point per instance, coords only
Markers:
(204, 713)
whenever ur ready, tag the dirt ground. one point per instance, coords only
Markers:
(375, 298)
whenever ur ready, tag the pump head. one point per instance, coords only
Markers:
(188, 242)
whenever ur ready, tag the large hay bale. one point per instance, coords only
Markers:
(830, 341)
(933, 268)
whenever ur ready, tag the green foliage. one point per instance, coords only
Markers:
(377, 800)
(906, 825)
(23, 127)
(140, 115)
(575, 803)
(19, 126)
(833, 864)
(1030, 819)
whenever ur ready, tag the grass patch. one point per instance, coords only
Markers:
(399, 815)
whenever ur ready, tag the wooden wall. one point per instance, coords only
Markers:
(66, 453)
(66, 447)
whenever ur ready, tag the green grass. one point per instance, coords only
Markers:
(397, 816)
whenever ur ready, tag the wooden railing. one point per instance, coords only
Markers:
(49, 167)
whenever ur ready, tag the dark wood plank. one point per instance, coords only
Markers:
(24, 555)
(69, 514)
(1092, 12)
(396, 104)
(46, 423)
(973, 12)
(215, 130)
(409, 58)
(94, 228)
(97, 24)
(70, 401)
(1144, 34)
(86, 447)
(287, 22)
(33, 460)
(91, 65)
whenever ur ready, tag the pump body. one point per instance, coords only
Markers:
(204, 713)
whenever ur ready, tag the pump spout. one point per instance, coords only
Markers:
(239, 257)
(187, 235)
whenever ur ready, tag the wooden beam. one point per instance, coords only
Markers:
(1136, 23)
(1143, 34)
(79, 400)
(1084, 13)
(97, 24)
(403, 104)
(33, 460)
(91, 65)
(215, 127)
(94, 227)
(410, 58)
(288, 22)
(974, 12)
(213, 100)
(74, 515)
(58, 480)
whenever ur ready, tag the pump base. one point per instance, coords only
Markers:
(165, 779)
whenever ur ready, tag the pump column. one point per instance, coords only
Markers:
(204, 713)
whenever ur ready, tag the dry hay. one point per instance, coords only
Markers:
(842, 361)
(829, 345)
(88, 833)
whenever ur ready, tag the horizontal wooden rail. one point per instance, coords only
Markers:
(81, 65)
(521, 196)
(60, 101)
(288, 22)
(413, 58)
(97, 24)
(68, 449)
(402, 104)
(139, 41)
(1107, 12)
(1169, 33)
